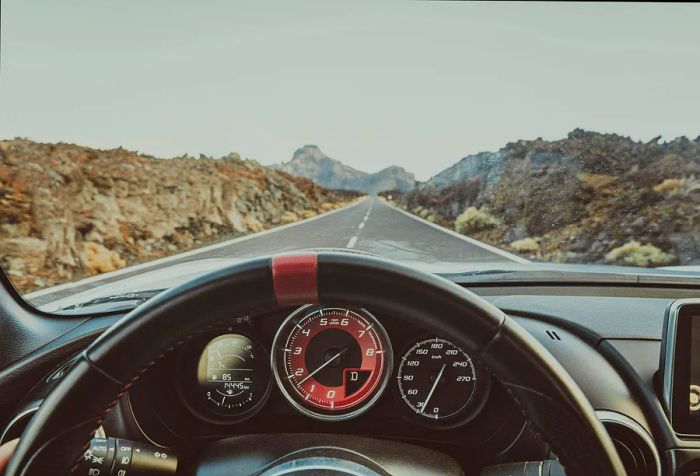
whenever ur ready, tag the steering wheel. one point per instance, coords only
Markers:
(547, 394)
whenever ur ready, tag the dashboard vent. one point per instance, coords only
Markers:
(633, 443)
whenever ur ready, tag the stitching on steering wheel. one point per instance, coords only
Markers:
(126, 386)
(531, 426)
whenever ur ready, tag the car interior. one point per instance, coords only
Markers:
(376, 238)
(344, 363)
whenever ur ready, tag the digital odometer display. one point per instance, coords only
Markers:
(233, 375)
(437, 379)
(331, 363)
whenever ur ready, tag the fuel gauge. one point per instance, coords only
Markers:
(233, 375)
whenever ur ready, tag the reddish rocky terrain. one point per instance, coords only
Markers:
(68, 211)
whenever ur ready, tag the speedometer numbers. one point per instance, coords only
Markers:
(438, 380)
(331, 363)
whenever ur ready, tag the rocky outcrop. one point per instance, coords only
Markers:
(68, 211)
(310, 162)
(581, 199)
(487, 165)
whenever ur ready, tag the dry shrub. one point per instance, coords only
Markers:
(473, 219)
(526, 245)
(636, 254)
(670, 186)
(598, 183)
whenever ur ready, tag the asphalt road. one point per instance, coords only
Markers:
(371, 225)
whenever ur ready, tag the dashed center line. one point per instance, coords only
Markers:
(352, 242)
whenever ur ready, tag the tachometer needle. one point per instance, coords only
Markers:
(432, 389)
(326, 363)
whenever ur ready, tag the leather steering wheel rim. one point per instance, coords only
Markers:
(548, 395)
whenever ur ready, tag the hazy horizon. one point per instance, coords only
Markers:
(418, 85)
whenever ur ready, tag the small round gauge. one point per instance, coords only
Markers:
(233, 376)
(437, 379)
(331, 363)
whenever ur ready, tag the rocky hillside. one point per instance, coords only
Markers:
(588, 198)
(310, 162)
(68, 211)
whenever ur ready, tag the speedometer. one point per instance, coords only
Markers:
(437, 379)
(331, 363)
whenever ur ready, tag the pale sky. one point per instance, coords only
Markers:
(372, 83)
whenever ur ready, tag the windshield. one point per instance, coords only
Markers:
(146, 143)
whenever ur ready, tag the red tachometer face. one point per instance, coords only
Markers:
(331, 363)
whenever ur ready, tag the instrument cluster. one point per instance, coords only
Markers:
(331, 364)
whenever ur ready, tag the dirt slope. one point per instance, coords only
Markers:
(68, 211)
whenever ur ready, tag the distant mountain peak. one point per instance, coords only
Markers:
(310, 162)
(307, 152)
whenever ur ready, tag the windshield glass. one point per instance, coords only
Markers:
(143, 144)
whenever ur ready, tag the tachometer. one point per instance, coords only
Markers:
(437, 379)
(331, 363)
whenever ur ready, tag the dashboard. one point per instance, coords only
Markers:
(341, 371)
(330, 364)
(325, 369)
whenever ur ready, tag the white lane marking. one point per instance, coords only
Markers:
(186, 254)
(353, 241)
(472, 241)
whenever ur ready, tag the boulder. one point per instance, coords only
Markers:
(98, 259)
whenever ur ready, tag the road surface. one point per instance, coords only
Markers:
(371, 225)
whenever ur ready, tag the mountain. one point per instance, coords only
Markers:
(489, 165)
(587, 198)
(310, 162)
(68, 211)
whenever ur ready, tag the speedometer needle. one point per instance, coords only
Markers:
(328, 362)
(432, 389)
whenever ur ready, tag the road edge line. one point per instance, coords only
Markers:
(184, 254)
(480, 244)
